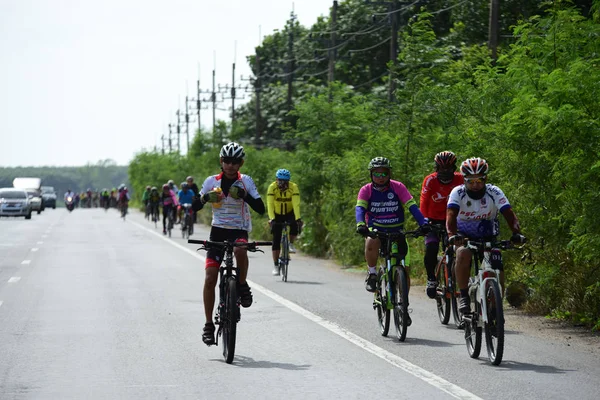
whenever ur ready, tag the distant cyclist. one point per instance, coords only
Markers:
(184, 196)
(283, 204)
(169, 202)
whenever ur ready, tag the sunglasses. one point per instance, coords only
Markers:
(234, 161)
(380, 174)
(474, 180)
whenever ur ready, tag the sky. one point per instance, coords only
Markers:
(89, 80)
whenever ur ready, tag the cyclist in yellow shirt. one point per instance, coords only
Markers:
(283, 204)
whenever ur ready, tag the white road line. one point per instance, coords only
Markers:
(25, 262)
(0, 303)
(407, 366)
(14, 279)
(34, 249)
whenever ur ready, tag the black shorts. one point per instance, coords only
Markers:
(220, 235)
(277, 228)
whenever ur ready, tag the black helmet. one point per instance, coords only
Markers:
(380, 162)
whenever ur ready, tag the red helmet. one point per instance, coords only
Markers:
(445, 159)
(474, 166)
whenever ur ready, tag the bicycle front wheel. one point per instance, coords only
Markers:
(442, 297)
(380, 303)
(285, 257)
(494, 327)
(229, 320)
(401, 303)
(473, 333)
(454, 296)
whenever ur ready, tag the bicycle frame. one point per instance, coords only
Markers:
(483, 272)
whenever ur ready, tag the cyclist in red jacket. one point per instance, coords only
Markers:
(434, 198)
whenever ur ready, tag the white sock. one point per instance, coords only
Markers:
(372, 270)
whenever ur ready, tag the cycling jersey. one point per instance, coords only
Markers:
(154, 197)
(283, 202)
(478, 218)
(434, 195)
(185, 196)
(168, 199)
(385, 209)
(232, 213)
(145, 195)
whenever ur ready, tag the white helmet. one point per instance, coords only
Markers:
(232, 150)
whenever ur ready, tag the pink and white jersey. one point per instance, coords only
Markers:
(478, 218)
(233, 213)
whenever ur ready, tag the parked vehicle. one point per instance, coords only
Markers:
(33, 188)
(14, 203)
(49, 196)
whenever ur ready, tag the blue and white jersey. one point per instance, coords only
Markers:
(478, 219)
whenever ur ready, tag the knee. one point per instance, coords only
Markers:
(210, 279)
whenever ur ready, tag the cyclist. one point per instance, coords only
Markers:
(145, 197)
(124, 198)
(434, 198)
(154, 200)
(230, 193)
(105, 198)
(192, 185)
(283, 204)
(173, 186)
(185, 195)
(194, 188)
(473, 213)
(381, 205)
(169, 202)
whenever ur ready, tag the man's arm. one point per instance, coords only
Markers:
(511, 218)
(296, 202)
(256, 204)
(451, 215)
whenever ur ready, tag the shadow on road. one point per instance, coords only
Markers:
(249, 362)
(303, 282)
(428, 342)
(542, 369)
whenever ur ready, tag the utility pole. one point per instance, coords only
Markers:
(258, 90)
(493, 29)
(333, 51)
(291, 62)
(214, 105)
(198, 104)
(162, 141)
(393, 49)
(187, 126)
(178, 132)
(170, 140)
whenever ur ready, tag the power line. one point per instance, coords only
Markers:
(371, 47)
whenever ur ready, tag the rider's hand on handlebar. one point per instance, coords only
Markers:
(517, 238)
(425, 229)
(362, 229)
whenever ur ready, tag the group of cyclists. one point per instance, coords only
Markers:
(458, 199)
(461, 202)
(171, 199)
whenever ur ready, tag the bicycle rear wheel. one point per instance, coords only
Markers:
(401, 303)
(494, 327)
(285, 257)
(229, 320)
(380, 303)
(454, 296)
(442, 297)
(473, 333)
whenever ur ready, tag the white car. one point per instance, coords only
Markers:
(36, 201)
(14, 203)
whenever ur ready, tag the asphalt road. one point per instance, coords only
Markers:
(93, 307)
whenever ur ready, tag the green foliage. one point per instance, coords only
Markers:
(534, 116)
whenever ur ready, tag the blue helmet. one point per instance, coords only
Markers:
(283, 174)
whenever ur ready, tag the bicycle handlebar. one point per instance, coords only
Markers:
(393, 235)
(251, 246)
(502, 245)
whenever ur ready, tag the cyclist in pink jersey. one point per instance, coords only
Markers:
(380, 206)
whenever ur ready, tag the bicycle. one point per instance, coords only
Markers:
(155, 214)
(485, 315)
(228, 311)
(148, 210)
(187, 224)
(124, 207)
(284, 254)
(447, 291)
(392, 283)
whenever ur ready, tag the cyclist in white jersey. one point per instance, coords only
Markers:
(231, 194)
(472, 212)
